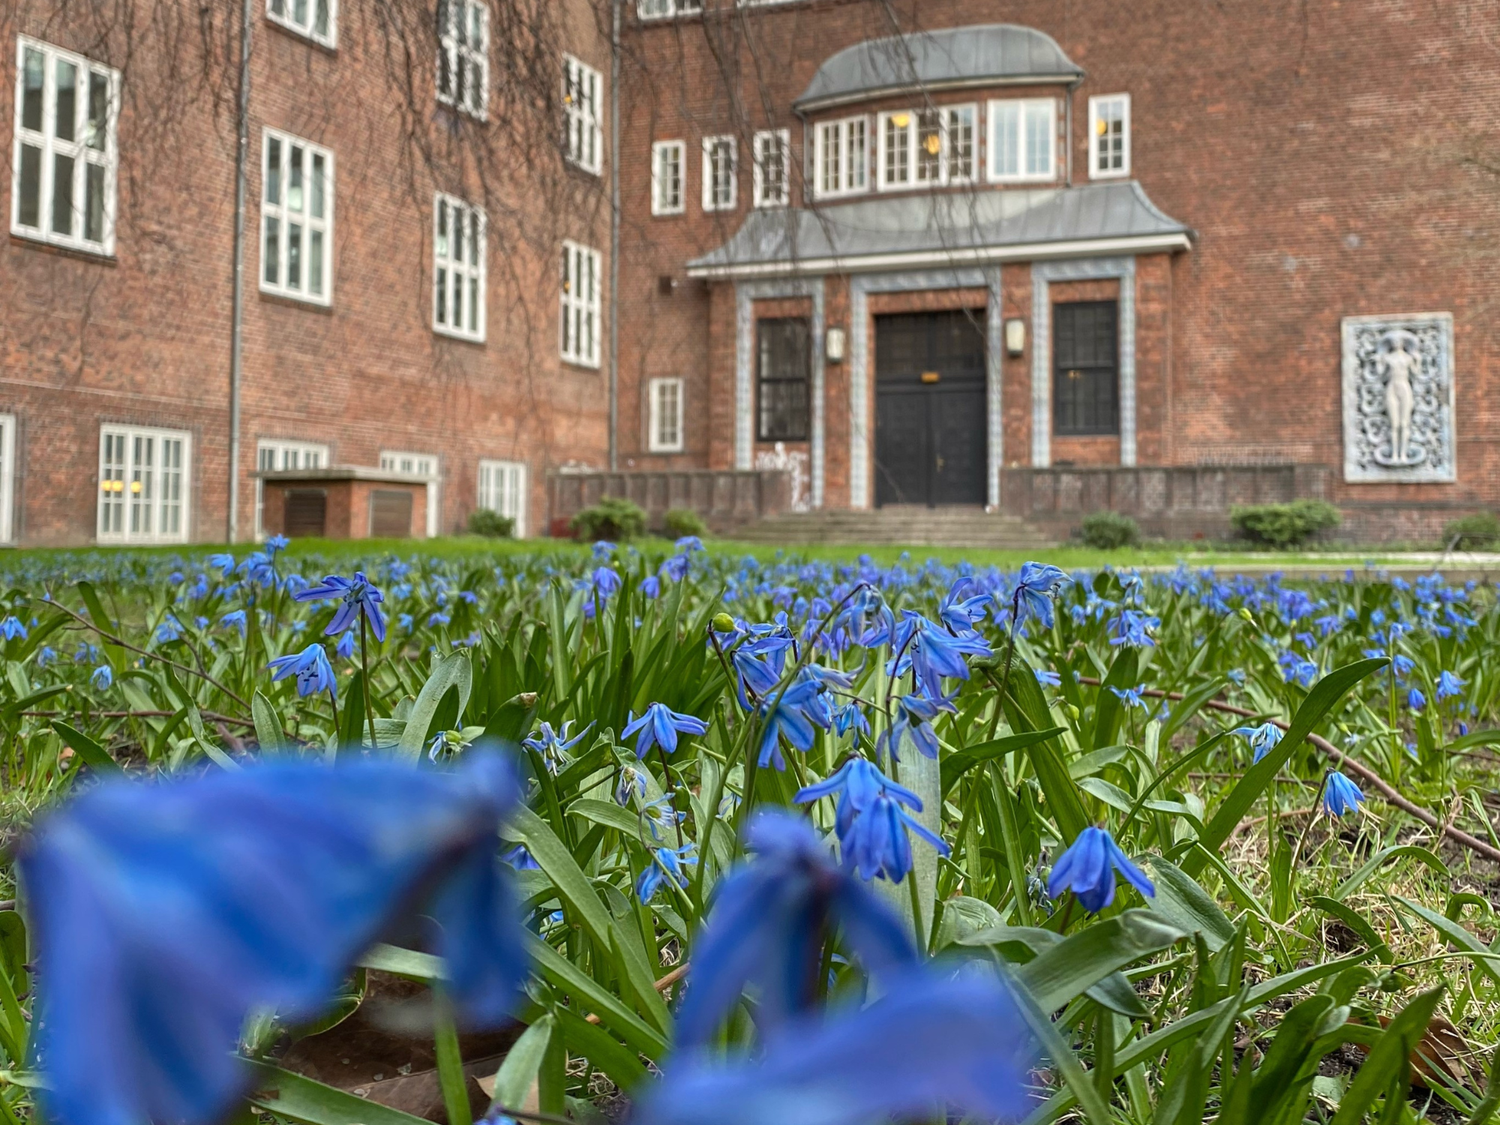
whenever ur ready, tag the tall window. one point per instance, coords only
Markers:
(664, 434)
(841, 157)
(1085, 386)
(783, 363)
(661, 9)
(275, 456)
(580, 304)
(458, 269)
(463, 66)
(316, 19)
(958, 140)
(583, 141)
(773, 159)
(896, 134)
(296, 258)
(143, 485)
(66, 156)
(667, 160)
(421, 465)
(502, 489)
(1109, 136)
(720, 181)
(1022, 136)
(7, 478)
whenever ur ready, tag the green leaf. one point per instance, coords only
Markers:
(1027, 710)
(406, 963)
(1068, 969)
(1457, 935)
(1122, 675)
(352, 732)
(268, 730)
(1389, 1059)
(1371, 865)
(1362, 929)
(555, 859)
(96, 756)
(608, 814)
(296, 1098)
(958, 763)
(1187, 707)
(514, 1079)
(593, 1043)
(1181, 901)
(590, 995)
(453, 670)
(1063, 1058)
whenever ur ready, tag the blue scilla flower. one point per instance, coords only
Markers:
(1130, 696)
(868, 812)
(1415, 699)
(259, 568)
(168, 631)
(666, 864)
(631, 784)
(1047, 677)
(103, 677)
(1340, 795)
(275, 543)
(435, 619)
(198, 900)
(934, 654)
(659, 725)
(651, 587)
(46, 655)
(344, 647)
(956, 1043)
(603, 548)
(358, 599)
(11, 628)
(960, 613)
(520, 858)
(912, 723)
(553, 745)
(1262, 739)
(224, 563)
(789, 715)
(1038, 584)
(1132, 627)
(755, 676)
(1088, 869)
(605, 580)
(1449, 685)
(851, 716)
(311, 668)
(235, 619)
(769, 920)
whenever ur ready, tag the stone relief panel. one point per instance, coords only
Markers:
(1398, 398)
(793, 462)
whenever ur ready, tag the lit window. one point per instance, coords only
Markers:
(720, 181)
(7, 478)
(502, 489)
(661, 9)
(316, 19)
(580, 304)
(896, 133)
(773, 159)
(1022, 139)
(419, 465)
(458, 270)
(463, 67)
(277, 456)
(841, 157)
(1109, 136)
(667, 159)
(665, 433)
(583, 141)
(296, 218)
(66, 156)
(143, 485)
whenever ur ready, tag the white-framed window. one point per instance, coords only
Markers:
(502, 489)
(1023, 139)
(583, 140)
(720, 173)
(66, 148)
(316, 19)
(841, 157)
(662, 9)
(960, 143)
(144, 477)
(664, 424)
(668, 161)
(580, 302)
(1109, 136)
(7, 478)
(419, 465)
(463, 64)
(458, 268)
(896, 136)
(773, 168)
(296, 243)
(273, 455)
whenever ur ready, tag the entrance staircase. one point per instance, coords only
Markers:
(898, 525)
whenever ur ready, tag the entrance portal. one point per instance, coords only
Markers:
(930, 411)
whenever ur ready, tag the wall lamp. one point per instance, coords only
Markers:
(1015, 336)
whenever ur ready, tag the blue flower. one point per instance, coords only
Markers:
(1130, 696)
(790, 716)
(913, 722)
(688, 544)
(659, 725)
(103, 677)
(1131, 627)
(868, 812)
(1261, 739)
(198, 900)
(310, 666)
(359, 599)
(755, 676)
(1449, 685)
(960, 613)
(1038, 584)
(603, 548)
(1415, 699)
(1088, 870)
(224, 563)
(632, 782)
(666, 864)
(934, 654)
(1047, 677)
(11, 628)
(651, 587)
(277, 543)
(553, 746)
(235, 619)
(851, 716)
(344, 648)
(1340, 795)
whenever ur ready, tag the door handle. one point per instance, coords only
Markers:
(939, 464)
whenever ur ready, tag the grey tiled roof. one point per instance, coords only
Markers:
(986, 224)
(996, 52)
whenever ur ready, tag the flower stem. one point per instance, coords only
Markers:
(364, 667)
(333, 701)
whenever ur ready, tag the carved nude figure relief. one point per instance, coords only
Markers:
(1398, 398)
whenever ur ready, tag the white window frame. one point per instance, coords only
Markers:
(502, 489)
(461, 227)
(711, 200)
(274, 455)
(464, 55)
(158, 503)
(50, 147)
(665, 414)
(283, 13)
(583, 137)
(772, 141)
(661, 202)
(1095, 104)
(1024, 108)
(425, 465)
(885, 150)
(578, 329)
(666, 9)
(948, 112)
(845, 182)
(7, 478)
(283, 212)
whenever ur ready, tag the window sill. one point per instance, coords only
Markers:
(458, 337)
(479, 117)
(583, 365)
(1125, 175)
(271, 297)
(41, 242)
(584, 169)
(328, 47)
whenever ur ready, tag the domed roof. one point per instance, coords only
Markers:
(981, 55)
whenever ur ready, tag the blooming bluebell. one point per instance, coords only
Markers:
(259, 568)
(1340, 795)
(659, 725)
(787, 715)
(960, 613)
(235, 619)
(1131, 627)
(275, 543)
(1130, 696)
(310, 666)
(223, 562)
(651, 586)
(934, 654)
(1088, 869)
(199, 900)
(913, 723)
(659, 813)
(553, 745)
(1037, 585)
(603, 548)
(667, 865)
(1295, 670)
(359, 598)
(344, 647)
(11, 628)
(755, 676)
(169, 630)
(1261, 739)
(851, 716)
(1449, 685)
(1047, 677)
(631, 783)
(103, 677)
(870, 823)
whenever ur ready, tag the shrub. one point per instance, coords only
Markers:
(612, 518)
(684, 521)
(1109, 531)
(1482, 529)
(492, 525)
(1284, 525)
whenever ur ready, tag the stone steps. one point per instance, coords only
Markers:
(898, 525)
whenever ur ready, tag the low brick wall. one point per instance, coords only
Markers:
(725, 499)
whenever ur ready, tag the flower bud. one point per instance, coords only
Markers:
(723, 623)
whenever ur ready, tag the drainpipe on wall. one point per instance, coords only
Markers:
(236, 331)
(1068, 127)
(614, 238)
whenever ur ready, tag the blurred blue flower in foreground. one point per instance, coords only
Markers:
(310, 666)
(1088, 869)
(659, 725)
(1262, 739)
(359, 599)
(1340, 795)
(195, 902)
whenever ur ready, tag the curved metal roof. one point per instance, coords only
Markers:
(985, 54)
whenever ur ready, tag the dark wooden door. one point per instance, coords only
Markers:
(930, 416)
